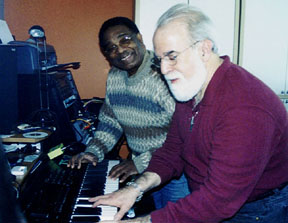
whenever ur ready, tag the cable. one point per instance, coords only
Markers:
(39, 74)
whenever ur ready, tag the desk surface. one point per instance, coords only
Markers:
(19, 138)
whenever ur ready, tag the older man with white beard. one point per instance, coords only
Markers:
(229, 134)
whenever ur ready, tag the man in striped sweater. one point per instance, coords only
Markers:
(137, 104)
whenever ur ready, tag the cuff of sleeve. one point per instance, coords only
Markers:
(140, 164)
(95, 150)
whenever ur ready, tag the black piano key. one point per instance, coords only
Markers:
(96, 184)
(90, 183)
(97, 172)
(84, 202)
(97, 169)
(87, 211)
(97, 187)
(85, 219)
(90, 193)
(89, 179)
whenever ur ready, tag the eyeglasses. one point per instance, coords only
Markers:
(123, 42)
(170, 57)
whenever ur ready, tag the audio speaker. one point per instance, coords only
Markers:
(8, 89)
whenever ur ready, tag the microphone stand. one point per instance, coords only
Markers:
(39, 74)
(43, 109)
(46, 75)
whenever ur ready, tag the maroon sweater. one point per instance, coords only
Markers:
(236, 150)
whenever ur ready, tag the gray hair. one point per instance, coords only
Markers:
(199, 25)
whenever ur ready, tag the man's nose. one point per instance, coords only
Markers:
(121, 49)
(165, 67)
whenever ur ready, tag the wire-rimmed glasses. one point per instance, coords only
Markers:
(123, 42)
(170, 57)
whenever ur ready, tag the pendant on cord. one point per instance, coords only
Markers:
(192, 120)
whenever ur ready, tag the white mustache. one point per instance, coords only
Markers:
(173, 75)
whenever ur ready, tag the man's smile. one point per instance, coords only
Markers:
(126, 56)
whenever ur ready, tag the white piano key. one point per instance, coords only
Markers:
(107, 212)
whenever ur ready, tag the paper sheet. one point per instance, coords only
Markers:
(5, 34)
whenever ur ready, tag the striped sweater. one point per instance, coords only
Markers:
(141, 107)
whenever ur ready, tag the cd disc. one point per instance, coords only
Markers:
(35, 135)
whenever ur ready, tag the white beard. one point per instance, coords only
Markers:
(185, 89)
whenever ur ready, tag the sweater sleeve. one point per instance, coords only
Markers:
(141, 162)
(107, 134)
(166, 105)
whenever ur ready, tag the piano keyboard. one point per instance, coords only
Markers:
(95, 183)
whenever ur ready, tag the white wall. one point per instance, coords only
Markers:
(265, 42)
(147, 13)
(221, 12)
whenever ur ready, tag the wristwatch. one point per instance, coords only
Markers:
(136, 186)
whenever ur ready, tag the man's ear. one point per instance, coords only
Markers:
(206, 49)
(139, 37)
